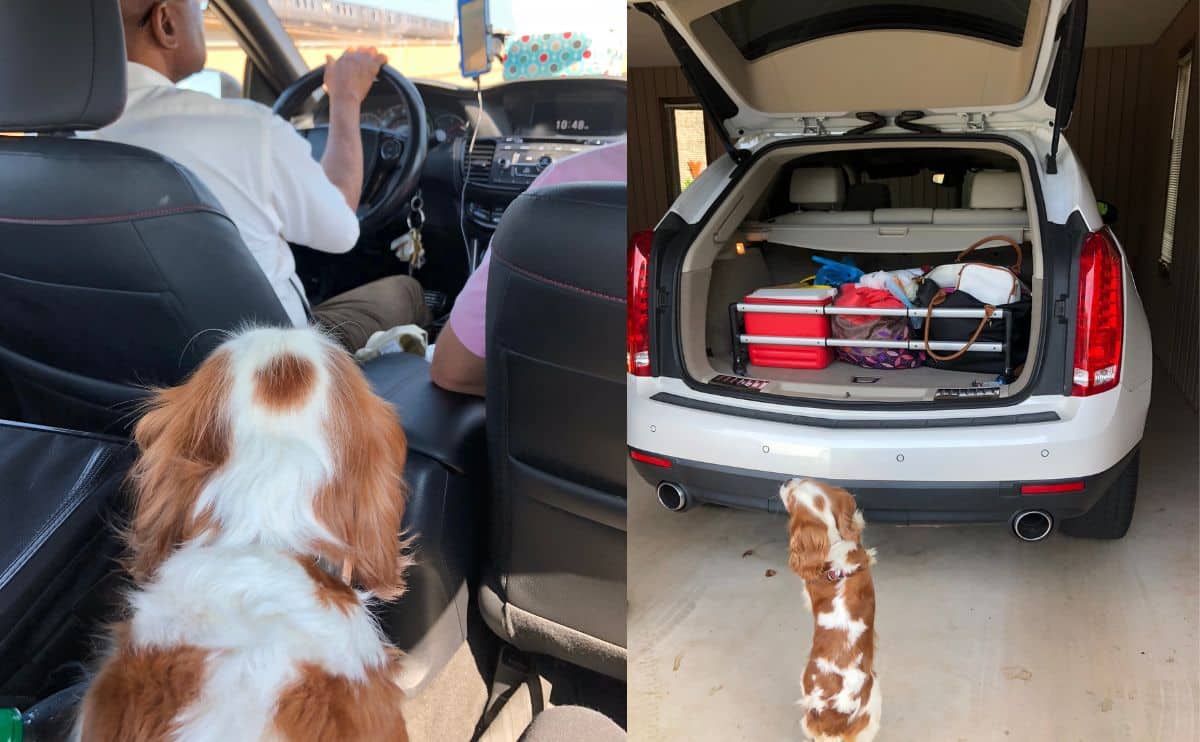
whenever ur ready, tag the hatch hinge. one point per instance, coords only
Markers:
(975, 120)
(813, 125)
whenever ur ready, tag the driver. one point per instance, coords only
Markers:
(259, 168)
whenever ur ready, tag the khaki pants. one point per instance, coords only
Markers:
(352, 317)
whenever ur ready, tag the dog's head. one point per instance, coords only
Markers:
(823, 522)
(275, 439)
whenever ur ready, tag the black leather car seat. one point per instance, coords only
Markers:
(556, 426)
(118, 268)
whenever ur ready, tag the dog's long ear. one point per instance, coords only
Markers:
(846, 515)
(808, 545)
(183, 439)
(363, 504)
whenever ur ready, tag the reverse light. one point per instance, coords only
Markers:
(637, 304)
(1099, 317)
(1051, 489)
(646, 458)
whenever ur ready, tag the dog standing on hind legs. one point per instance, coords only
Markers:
(842, 700)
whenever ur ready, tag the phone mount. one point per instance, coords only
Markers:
(474, 38)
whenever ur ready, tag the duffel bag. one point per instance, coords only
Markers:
(971, 330)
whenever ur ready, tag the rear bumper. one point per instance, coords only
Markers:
(954, 468)
(908, 503)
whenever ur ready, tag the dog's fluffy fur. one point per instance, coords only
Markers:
(842, 700)
(271, 472)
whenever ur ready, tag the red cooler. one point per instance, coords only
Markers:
(790, 325)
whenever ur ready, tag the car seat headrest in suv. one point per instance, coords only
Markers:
(818, 188)
(62, 65)
(994, 189)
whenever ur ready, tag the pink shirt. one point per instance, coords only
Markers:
(469, 318)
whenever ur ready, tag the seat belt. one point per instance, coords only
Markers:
(303, 299)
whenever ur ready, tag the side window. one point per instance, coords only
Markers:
(1183, 76)
(224, 72)
(689, 144)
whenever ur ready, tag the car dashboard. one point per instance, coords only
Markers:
(522, 129)
(480, 159)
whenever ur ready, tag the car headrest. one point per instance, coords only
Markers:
(587, 216)
(818, 188)
(62, 65)
(994, 189)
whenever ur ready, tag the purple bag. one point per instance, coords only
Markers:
(856, 327)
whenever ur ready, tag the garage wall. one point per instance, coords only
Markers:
(1121, 130)
(1172, 301)
(651, 193)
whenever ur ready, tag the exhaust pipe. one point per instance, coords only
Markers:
(673, 497)
(1032, 525)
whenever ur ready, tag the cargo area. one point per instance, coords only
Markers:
(883, 210)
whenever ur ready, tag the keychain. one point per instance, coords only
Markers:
(408, 245)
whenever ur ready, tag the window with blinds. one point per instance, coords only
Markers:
(1182, 83)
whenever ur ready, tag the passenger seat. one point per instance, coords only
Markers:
(818, 193)
(992, 197)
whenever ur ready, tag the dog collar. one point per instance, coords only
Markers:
(343, 572)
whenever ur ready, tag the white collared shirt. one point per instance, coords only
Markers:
(256, 165)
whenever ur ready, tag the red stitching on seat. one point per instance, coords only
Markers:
(560, 284)
(149, 214)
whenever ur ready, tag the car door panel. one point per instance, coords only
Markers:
(59, 493)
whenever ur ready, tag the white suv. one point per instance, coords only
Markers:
(893, 135)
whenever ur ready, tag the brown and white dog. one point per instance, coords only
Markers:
(842, 701)
(268, 506)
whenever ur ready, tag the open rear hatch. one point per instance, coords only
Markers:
(770, 68)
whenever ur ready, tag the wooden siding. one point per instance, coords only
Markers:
(650, 158)
(1121, 131)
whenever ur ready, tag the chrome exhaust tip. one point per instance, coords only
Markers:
(673, 497)
(1032, 525)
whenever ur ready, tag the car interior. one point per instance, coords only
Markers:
(517, 599)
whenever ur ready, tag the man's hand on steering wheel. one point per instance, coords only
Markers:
(378, 179)
(351, 75)
(348, 80)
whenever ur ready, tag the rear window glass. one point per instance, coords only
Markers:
(759, 27)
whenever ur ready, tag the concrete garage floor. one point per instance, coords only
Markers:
(981, 637)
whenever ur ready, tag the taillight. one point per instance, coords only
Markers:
(637, 305)
(1099, 317)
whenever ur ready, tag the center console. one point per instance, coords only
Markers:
(497, 170)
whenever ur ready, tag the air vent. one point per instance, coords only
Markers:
(479, 162)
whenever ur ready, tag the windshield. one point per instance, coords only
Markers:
(543, 38)
(759, 27)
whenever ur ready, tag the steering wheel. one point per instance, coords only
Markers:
(392, 160)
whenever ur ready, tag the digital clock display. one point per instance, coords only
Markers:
(568, 116)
